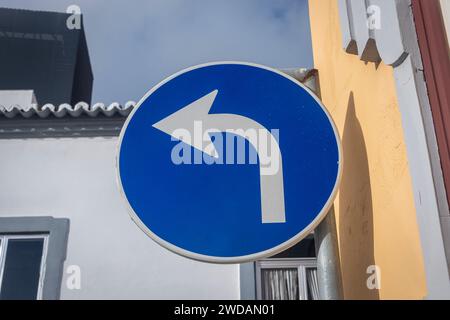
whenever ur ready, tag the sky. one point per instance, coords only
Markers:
(135, 44)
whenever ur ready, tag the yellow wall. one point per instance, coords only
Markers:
(375, 212)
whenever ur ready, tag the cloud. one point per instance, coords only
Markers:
(135, 44)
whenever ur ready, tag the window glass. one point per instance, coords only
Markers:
(303, 249)
(22, 269)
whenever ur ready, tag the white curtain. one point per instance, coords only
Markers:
(311, 278)
(280, 284)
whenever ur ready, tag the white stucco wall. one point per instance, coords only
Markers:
(75, 179)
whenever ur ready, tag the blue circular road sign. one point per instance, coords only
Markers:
(229, 162)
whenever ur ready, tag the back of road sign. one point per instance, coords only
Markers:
(229, 162)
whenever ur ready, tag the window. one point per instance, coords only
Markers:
(289, 275)
(22, 266)
(32, 254)
(287, 279)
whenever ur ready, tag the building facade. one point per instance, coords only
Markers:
(39, 52)
(392, 206)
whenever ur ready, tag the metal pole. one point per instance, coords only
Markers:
(325, 235)
(328, 263)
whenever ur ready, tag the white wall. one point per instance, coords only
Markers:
(75, 179)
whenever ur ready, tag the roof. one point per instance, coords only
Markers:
(29, 120)
(66, 110)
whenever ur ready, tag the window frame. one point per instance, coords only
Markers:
(4, 240)
(301, 264)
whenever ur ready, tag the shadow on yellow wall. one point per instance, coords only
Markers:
(356, 213)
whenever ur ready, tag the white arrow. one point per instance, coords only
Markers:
(272, 187)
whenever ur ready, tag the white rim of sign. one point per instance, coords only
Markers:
(237, 259)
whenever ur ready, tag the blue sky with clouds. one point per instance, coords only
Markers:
(135, 44)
